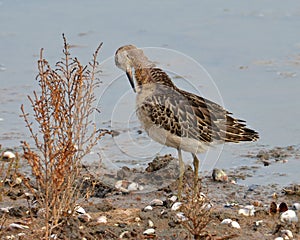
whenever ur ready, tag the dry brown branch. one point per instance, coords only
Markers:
(62, 131)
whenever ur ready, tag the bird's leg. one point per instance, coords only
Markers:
(196, 169)
(181, 172)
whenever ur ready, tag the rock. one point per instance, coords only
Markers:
(176, 206)
(156, 202)
(219, 175)
(289, 216)
(150, 223)
(149, 231)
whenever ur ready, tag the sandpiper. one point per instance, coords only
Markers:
(174, 117)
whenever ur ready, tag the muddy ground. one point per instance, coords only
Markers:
(117, 214)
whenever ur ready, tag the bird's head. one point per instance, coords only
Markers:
(129, 57)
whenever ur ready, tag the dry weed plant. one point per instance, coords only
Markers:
(196, 208)
(62, 131)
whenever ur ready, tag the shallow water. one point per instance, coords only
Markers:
(251, 53)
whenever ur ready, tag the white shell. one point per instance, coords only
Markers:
(279, 238)
(247, 211)
(176, 206)
(148, 208)
(18, 180)
(180, 217)
(287, 234)
(289, 216)
(173, 198)
(101, 219)
(17, 226)
(8, 155)
(258, 223)
(156, 202)
(226, 221)
(150, 223)
(123, 233)
(296, 206)
(235, 224)
(80, 210)
(149, 231)
(133, 187)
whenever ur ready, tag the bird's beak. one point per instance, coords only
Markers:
(130, 78)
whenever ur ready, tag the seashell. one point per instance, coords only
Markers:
(5, 209)
(137, 219)
(18, 181)
(287, 234)
(289, 216)
(219, 175)
(84, 217)
(156, 202)
(279, 238)
(133, 187)
(79, 210)
(180, 217)
(8, 155)
(148, 208)
(226, 221)
(127, 186)
(17, 226)
(149, 231)
(296, 206)
(247, 211)
(123, 234)
(176, 206)
(173, 198)
(235, 224)
(101, 219)
(150, 223)
(258, 223)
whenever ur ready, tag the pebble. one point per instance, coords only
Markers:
(176, 206)
(148, 208)
(296, 206)
(235, 224)
(226, 221)
(219, 175)
(289, 216)
(18, 181)
(101, 219)
(149, 231)
(8, 155)
(247, 211)
(279, 238)
(127, 186)
(156, 202)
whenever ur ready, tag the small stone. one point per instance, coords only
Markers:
(289, 216)
(122, 225)
(279, 238)
(219, 175)
(156, 202)
(137, 219)
(101, 219)
(176, 206)
(148, 208)
(149, 231)
(172, 224)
